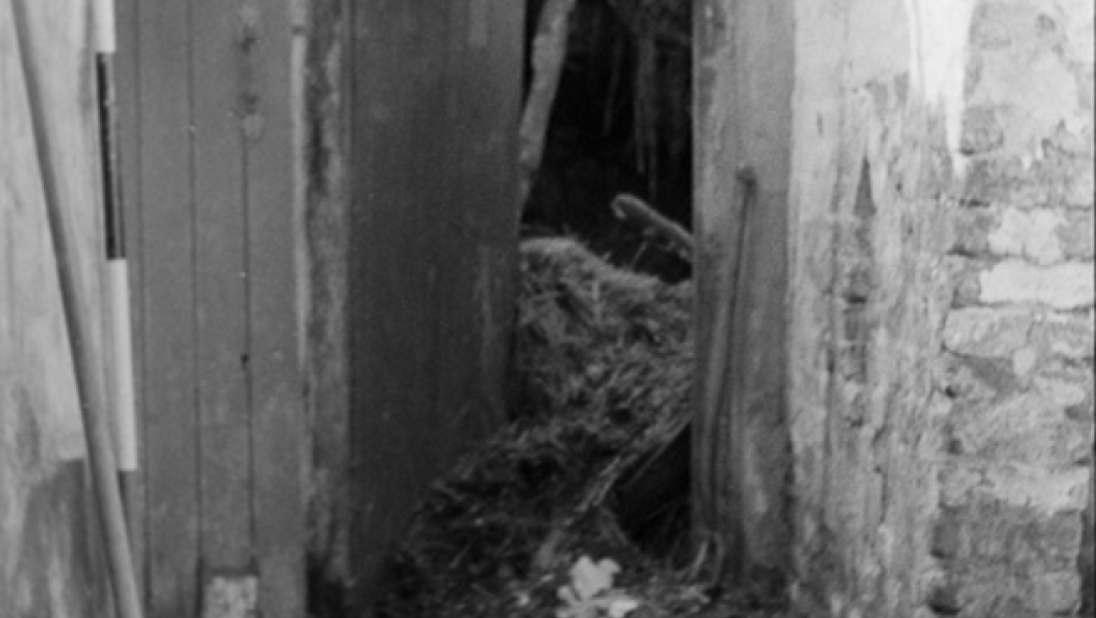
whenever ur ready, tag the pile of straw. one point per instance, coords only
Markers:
(603, 367)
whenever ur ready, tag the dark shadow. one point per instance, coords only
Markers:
(621, 123)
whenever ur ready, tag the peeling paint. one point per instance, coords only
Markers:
(939, 32)
(981, 310)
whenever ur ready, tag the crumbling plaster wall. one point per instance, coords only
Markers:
(45, 565)
(49, 561)
(941, 306)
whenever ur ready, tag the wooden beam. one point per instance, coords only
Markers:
(277, 387)
(220, 289)
(399, 54)
(744, 78)
(168, 337)
(434, 103)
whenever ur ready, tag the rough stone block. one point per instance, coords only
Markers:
(1069, 335)
(1056, 179)
(963, 274)
(1058, 593)
(1030, 234)
(986, 331)
(1042, 236)
(1067, 384)
(997, 555)
(1026, 428)
(1077, 235)
(971, 228)
(994, 591)
(1044, 491)
(973, 379)
(1063, 286)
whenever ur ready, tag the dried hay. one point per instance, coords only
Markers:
(597, 341)
(603, 373)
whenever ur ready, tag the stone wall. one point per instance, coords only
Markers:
(941, 373)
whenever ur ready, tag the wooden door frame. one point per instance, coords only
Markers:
(744, 74)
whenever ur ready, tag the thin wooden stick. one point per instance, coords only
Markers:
(549, 53)
(631, 207)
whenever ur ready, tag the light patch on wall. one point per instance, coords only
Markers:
(1067, 286)
(1032, 234)
(1079, 15)
(939, 33)
(231, 597)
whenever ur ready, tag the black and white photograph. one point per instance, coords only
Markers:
(547, 308)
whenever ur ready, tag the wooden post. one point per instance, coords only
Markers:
(435, 103)
(744, 79)
(549, 56)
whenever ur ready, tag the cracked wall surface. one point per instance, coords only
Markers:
(941, 330)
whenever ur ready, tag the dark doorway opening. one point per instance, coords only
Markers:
(595, 466)
(621, 123)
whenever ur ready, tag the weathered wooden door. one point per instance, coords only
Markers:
(435, 99)
(743, 138)
(207, 156)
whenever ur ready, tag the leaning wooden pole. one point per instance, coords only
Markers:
(549, 54)
(79, 309)
(122, 387)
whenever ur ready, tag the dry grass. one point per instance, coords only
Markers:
(603, 376)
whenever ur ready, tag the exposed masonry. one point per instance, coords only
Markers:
(1018, 341)
(943, 325)
(856, 283)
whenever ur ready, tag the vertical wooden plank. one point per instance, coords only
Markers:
(168, 336)
(435, 101)
(276, 386)
(477, 233)
(745, 76)
(127, 71)
(220, 290)
(399, 61)
(713, 227)
(496, 37)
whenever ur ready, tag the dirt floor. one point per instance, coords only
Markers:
(534, 523)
